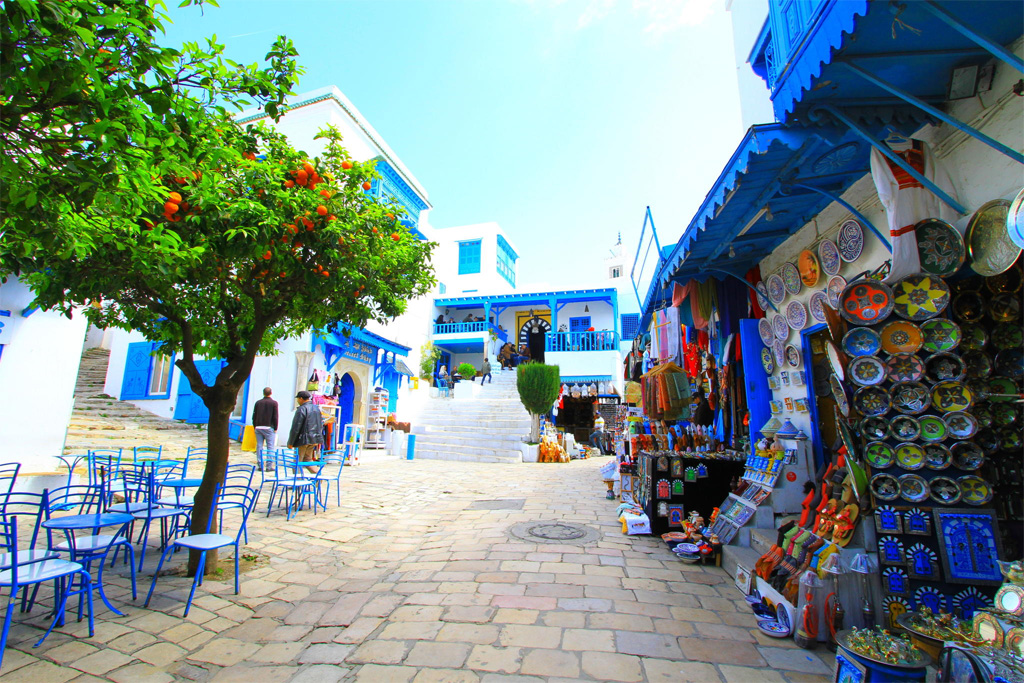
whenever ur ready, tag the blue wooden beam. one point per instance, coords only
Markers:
(960, 27)
(849, 207)
(28, 310)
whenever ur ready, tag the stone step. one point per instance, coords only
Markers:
(469, 440)
(471, 429)
(467, 450)
(736, 554)
(468, 457)
(478, 426)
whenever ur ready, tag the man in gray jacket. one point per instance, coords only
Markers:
(307, 429)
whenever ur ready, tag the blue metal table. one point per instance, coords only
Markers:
(69, 524)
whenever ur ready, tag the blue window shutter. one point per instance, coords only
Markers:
(580, 324)
(135, 383)
(630, 323)
(755, 378)
(189, 406)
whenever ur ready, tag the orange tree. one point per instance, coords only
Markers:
(252, 244)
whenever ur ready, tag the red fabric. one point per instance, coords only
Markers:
(703, 340)
(753, 276)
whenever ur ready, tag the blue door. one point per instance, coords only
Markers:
(189, 406)
(347, 399)
(756, 379)
(135, 381)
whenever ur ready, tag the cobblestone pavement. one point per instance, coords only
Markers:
(415, 578)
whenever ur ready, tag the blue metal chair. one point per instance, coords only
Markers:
(326, 477)
(144, 481)
(8, 473)
(104, 466)
(291, 483)
(146, 453)
(240, 496)
(443, 387)
(20, 574)
(26, 505)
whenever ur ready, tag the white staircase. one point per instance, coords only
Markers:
(487, 428)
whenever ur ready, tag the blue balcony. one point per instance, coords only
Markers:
(461, 328)
(581, 341)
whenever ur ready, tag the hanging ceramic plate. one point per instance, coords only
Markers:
(779, 349)
(949, 397)
(977, 364)
(1004, 308)
(816, 304)
(1011, 439)
(828, 254)
(967, 455)
(835, 359)
(913, 488)
(937, 457)
(776, 289)
(901, 336)
(940, 247)
(866, 302)
(792, 356)
(861, 341)
(904, 428)
(940, 334)
(766, 361)
(796, 315)
(839, 394)
(780, 326)
(961, 425)
(1007, 282)
(982, 413)
(762, 295)
(987, 440)
(791, 278)
(999, 389)
(905, 367)
(909, 456)
(764, 328)
(974, 489)
(988, 241)
(968, 307)
(945, 490)
(1008, 336)
(919, 297)
(940, 367)
(973, 337)
(851, 241)
(910, 398)
(772, 628)
(933, 429)
(834, 289)
(866, 371)
(810, 269)
(1003, 414)
(871, 401)
(879, 455)
(1010, 363)
(885, 487)
(874, 428)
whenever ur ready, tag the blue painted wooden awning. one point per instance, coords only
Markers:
(529, 299)
(359, 345)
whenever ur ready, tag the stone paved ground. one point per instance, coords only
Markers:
(407, 582)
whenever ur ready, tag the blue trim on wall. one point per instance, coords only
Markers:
(469, 257)
(812, 401)
(138, 370)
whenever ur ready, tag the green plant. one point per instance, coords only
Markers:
(467, 370)
(538, 386)
(429, 355)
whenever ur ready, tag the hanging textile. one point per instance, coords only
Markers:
(670, 336)
(679, 293)
(733, 305)
(907, 202)
(753, 276)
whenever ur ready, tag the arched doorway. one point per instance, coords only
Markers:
(347, 399)
(533, 333)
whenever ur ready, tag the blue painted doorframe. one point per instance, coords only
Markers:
(189, 406)
(347, 399)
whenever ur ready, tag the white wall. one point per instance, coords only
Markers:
(748, 17)
(38, 371)
(446, 261)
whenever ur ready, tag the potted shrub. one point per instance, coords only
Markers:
(538, 386)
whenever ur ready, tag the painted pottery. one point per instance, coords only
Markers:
(861, 341)
(951, 396)
(850, 241)
(764, 328)
(866, 371)
(779, 349)
(792, 356)
(937, 456)
(780, 326)
(920, 296)
(762, 295)
(945, 490)
(839, 394)
(968, 307)
(885, 487)
(796, 315)
(900, 336)
(776, 289)
(871, 401)
(879, 454)
(874, 428)
(810, 269)
(988, 241)
(866, 302)
(974, 489)
(828, 255)
(967, 455)
(767, 361)
(909, 398)
(977, 364)
(940, 247)
(834, 289)
(816, 305)
(1008, 336)
(974, 337)
(933, 429)
(905, 428)
(999, 389)
(791, 278)
(1007, 282)
(909, 456)
(987, 440)
(835, 359)
(913, 488)
(939, 334)
(961, 425)
(1004, 308)
(905, 367)
(940, 367)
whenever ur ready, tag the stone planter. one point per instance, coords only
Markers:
(531, 453)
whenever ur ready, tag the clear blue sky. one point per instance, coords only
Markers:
(559, 119)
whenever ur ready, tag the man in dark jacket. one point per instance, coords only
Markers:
(307, 429)
(264, 419)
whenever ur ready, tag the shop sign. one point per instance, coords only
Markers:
(360, 351)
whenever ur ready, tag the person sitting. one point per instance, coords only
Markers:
(442, 376)
(505, 356)
(469, 318)
(524, 353)
(440, 319)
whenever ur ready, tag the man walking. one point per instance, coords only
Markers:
(307, 429)
(485, 372)
(264, 419)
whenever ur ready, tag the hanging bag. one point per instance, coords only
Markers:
(313, 384)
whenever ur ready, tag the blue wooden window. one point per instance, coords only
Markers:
(630, 324)
(469, 257)
(580, 324)
(506, 261)
(441, 288)
(146, 374)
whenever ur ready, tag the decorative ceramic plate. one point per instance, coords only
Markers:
(988, 241)
(961, 425)
(999, 389)
(949, 397)
(796, 315)
(767, 361)
(975, 490)
(779, 349)
(905, 367)
(920, 296)
(874, 428)
(904, 428)
(885, 487)
(839, 394)
(901, 336)
(690, 548)
(835, 359)
(940, 247)
(816, 304)
(1006, 282)
(1004, 335)
(987, 440)
(945, 490)
(810, 269)
(1011, 439)
(866, 302)
(968, 307)
(792, 356)
(933, 429)
(834, 289)
(940, 334)
(762, 295)
(861, 341)
(910, 398)
(879, 454)
(910, 456)
(1004, 308)
(940, 367)
(776, 289)
(828, 254)
(780, 326)
(913, 488)
(850, 241)
(791, 278)
(982, 413)
(1004, 414)
(977, 364)
(782, 616)
(937, 457)
(866, 371)
(764, 328)
(974, 337)
(871, 401)
(772, 628)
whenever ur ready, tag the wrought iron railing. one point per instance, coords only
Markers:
(581, 341)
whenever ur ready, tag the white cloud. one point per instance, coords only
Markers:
(666, 16)
(595, 10)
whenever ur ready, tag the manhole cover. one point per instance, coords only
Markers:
(500, 504)
(554, 532)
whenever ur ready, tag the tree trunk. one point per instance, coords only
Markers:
(220, 401)
(534, 428)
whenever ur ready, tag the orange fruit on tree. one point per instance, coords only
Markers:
(332, 217)
(174, 197)
(390, 215)
(284, 274)
(308, 168)
(308, 223)
(289, 184)
(170, 207)
(325, 273)
(375, 231)
(366, 185)
(395, 236)
(301, 177)
(346, 165)
(267, 255)
(341, 240)
(322, 210)
(326, 194)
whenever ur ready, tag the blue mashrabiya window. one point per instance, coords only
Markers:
(469, 257)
